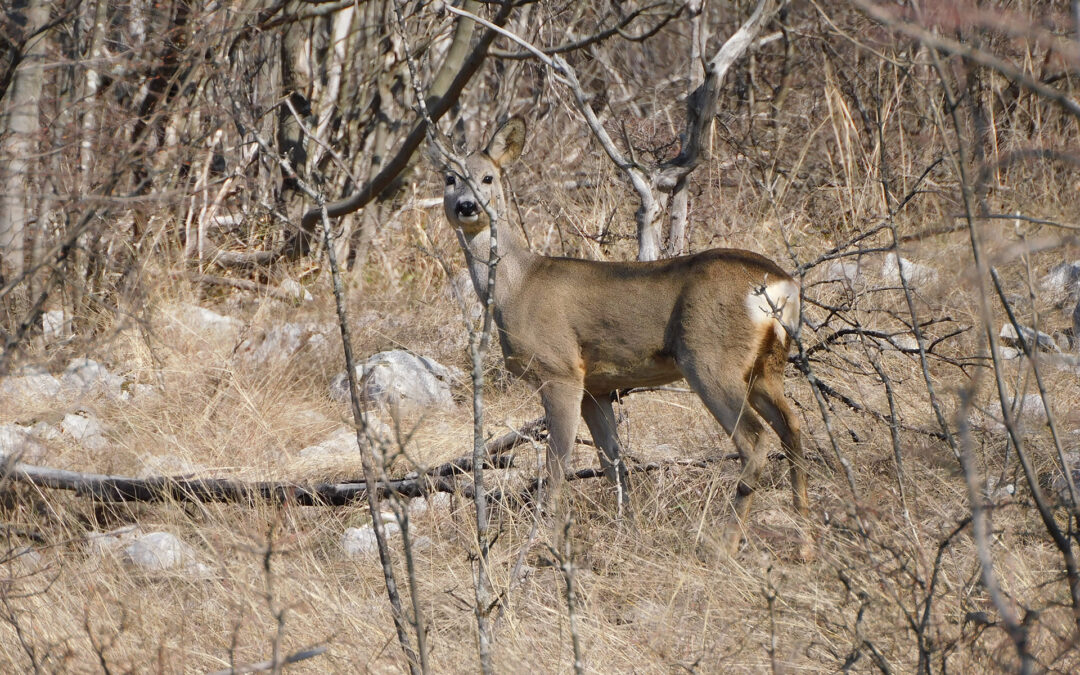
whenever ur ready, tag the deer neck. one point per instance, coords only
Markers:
(513, 262)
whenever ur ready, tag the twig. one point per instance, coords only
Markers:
(478, 348)
(616, 29)
(242, 284)
(436, 109)
(295, 657)
(363, 437)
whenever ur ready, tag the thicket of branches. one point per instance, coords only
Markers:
(210, 136)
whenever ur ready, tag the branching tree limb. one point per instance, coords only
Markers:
(655, 185)
(437, 107)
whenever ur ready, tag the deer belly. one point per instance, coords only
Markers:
(603, 376)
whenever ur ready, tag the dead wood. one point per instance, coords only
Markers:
(106, 488)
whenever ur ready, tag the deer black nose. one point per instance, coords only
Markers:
(466, 208)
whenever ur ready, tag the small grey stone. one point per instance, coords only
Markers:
(905, 343)
(279, 343)
(998, 492)
(434, 502)
(85, 429)
(139, 393)
(343, 441)
(1041, 340)
(111, 543)
(421, 542)
(166, 465)
(16, 442)
(53, 325)
(361, 541)
(295, 291)
(45, 431)
(159, 551)
(33, 386)
(847, 272)
(204, 322)
(401, 378)
(84, 377)
(1030, 406)
(1061, 285)
(916, 274)
(1009, 353)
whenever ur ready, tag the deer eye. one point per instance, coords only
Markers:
(450, 180)
(489, 179)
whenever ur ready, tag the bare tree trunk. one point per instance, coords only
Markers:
(438, 102)
(670, 177)
(295, 78)
(92, 83)
(680, 201)
(649, 217)
(20, 126)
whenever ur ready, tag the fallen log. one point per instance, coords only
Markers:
(106, 488)
(110, 488)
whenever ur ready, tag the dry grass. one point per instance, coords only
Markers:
(654, 595)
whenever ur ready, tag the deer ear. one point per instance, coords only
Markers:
(506, 144)
(436, 158)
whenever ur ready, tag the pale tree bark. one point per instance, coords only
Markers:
(91, 85)
(439, 102)
(655, 185)
(295, 80)
(338, 52)
(669, 179)
(680, 199)
(20, 128)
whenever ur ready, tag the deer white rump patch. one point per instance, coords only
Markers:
(775, 303)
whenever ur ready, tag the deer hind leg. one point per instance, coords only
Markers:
(767, 398)
(600, 417)
(728, 404)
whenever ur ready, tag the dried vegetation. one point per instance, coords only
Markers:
(848, 133)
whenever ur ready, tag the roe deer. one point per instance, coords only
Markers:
(582, 329)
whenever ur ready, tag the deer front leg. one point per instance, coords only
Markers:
(562, 405)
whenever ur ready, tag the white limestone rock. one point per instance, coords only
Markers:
(18, 444)
(399, 378)
(103, 544)
(163, 551)
(296, 292)
(1061, 285)
(34, 387)
(203, 323)
(847, 272)
(360, 541)
(916, 274)
(54, 325)
(280, 343)
(343, 441)
(85, 429)
(1030, 406)
(87, 377)
(438, 502)
(1040, 339)
(166, 465)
